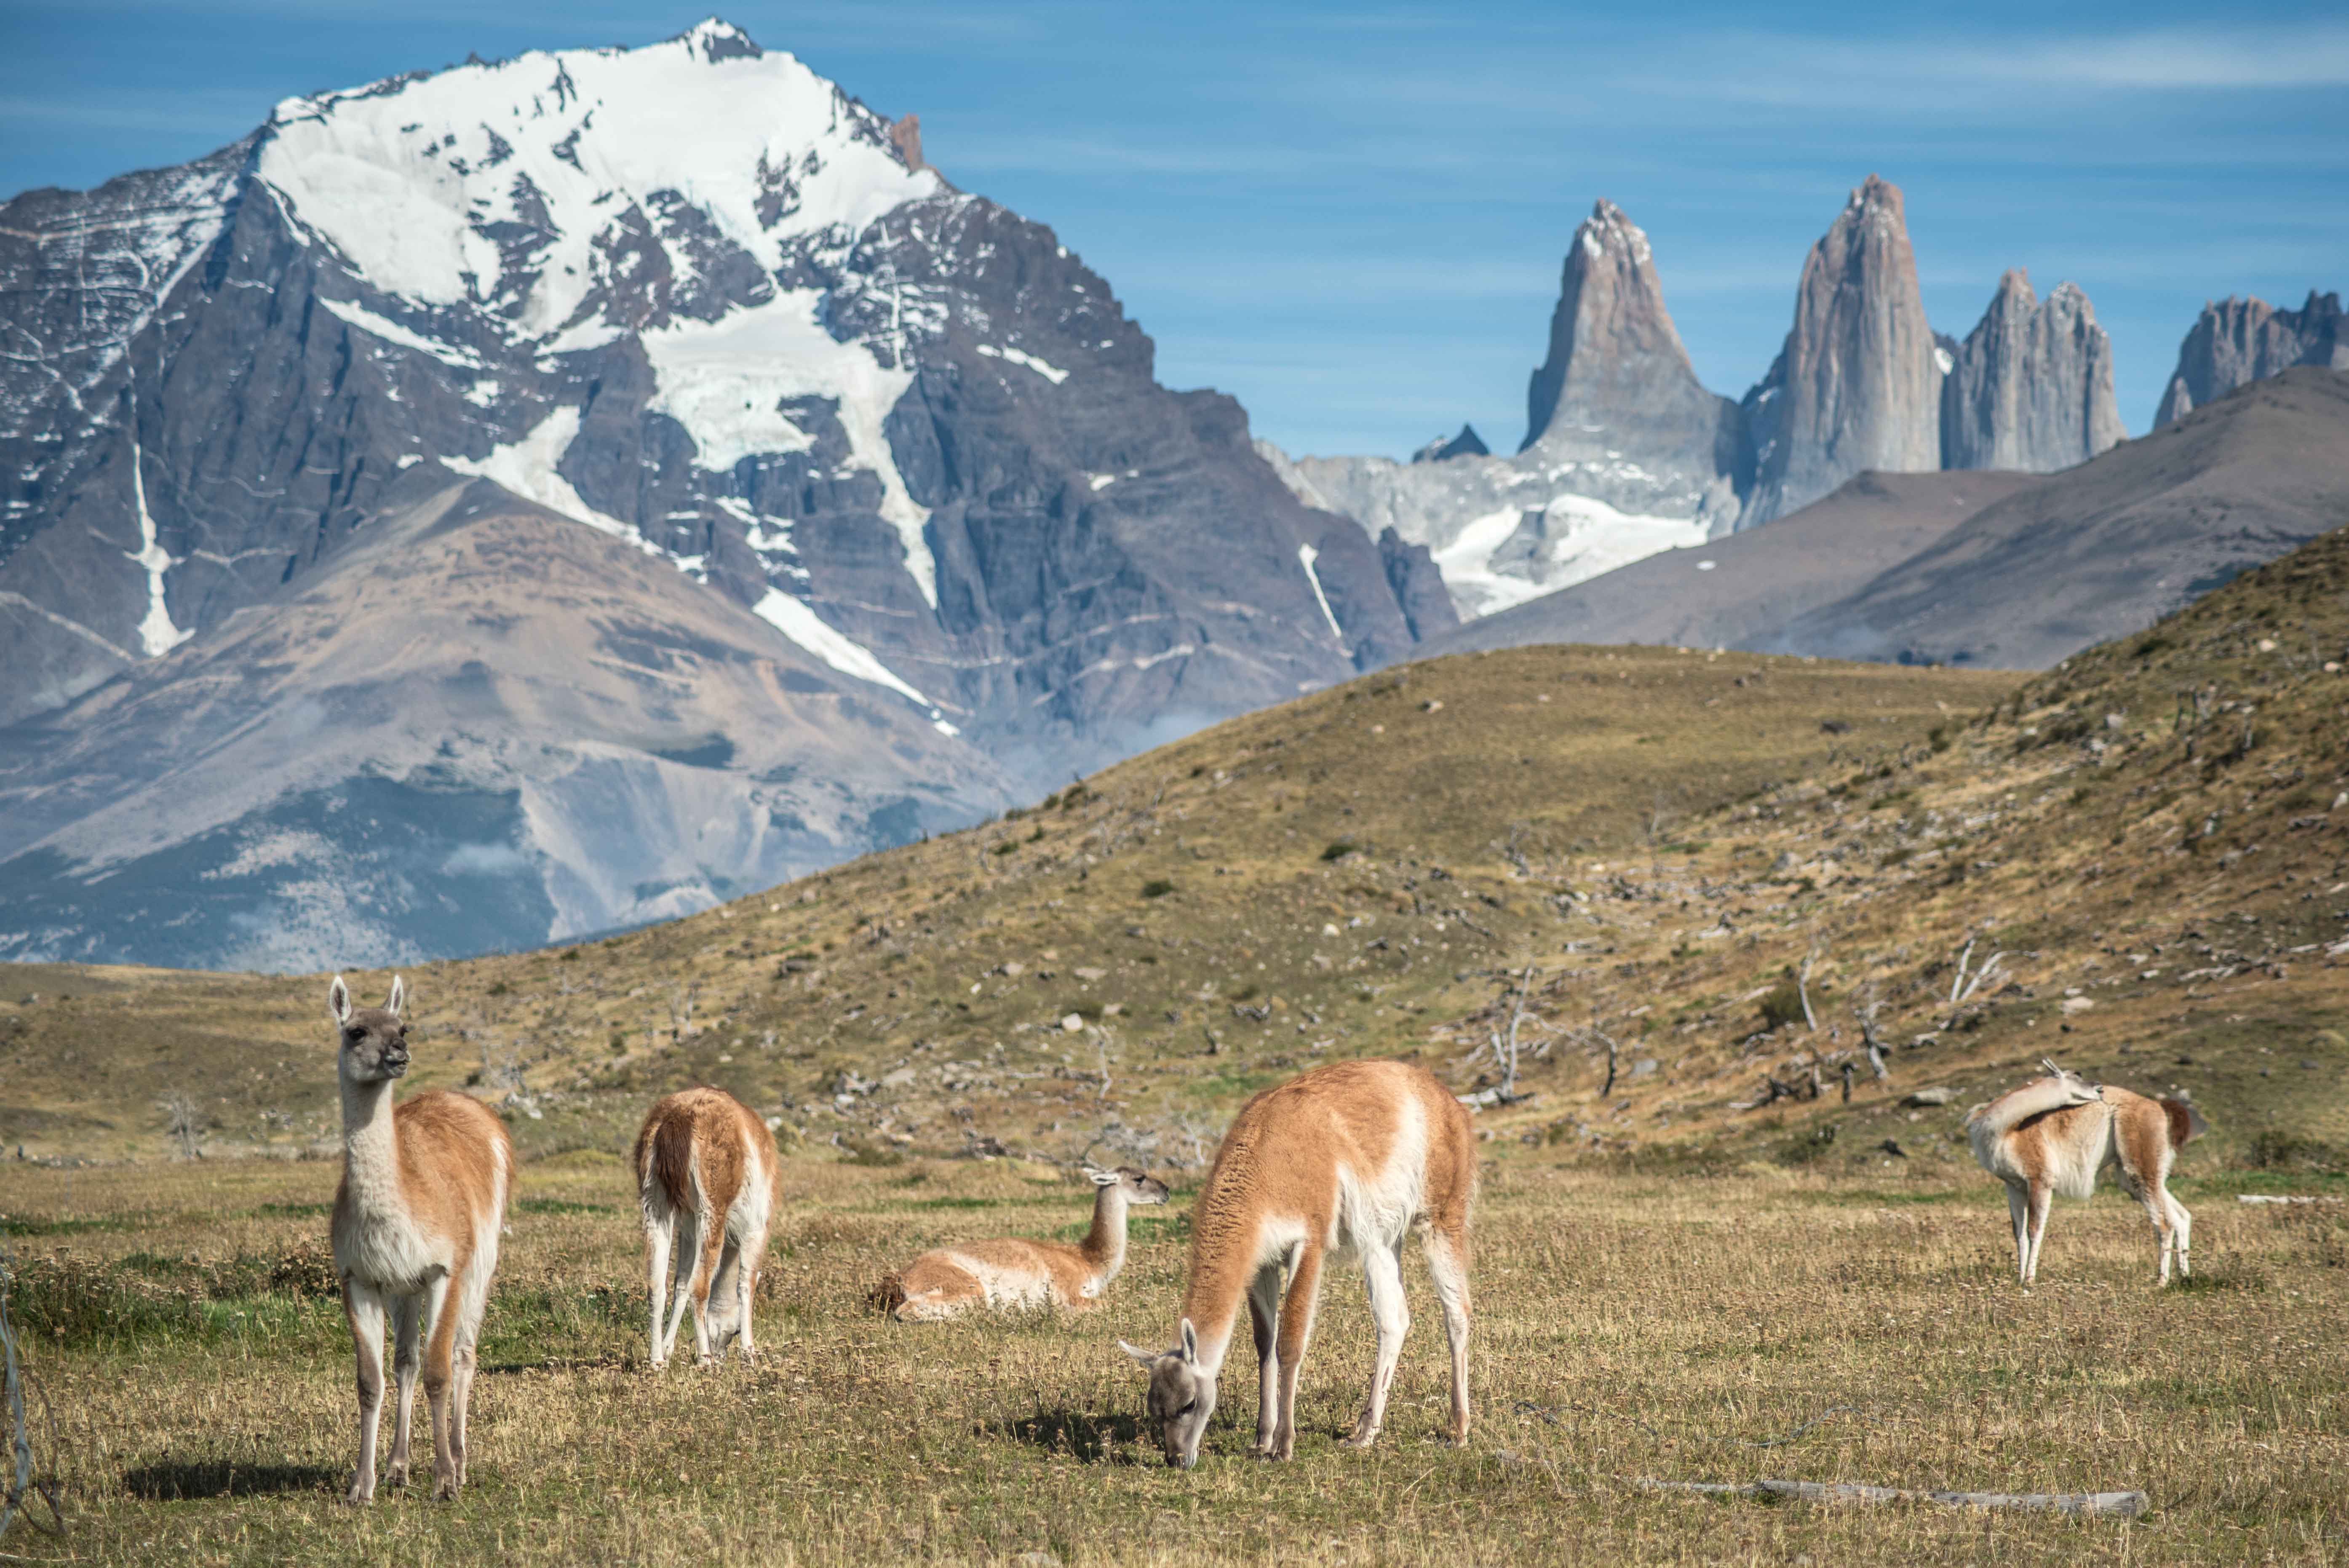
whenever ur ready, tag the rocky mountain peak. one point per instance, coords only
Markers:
(2030, 388)
(2241, 340)
(715, 39)
(1617, 390)
(1442, 448)
(905, 136)
(1857, 385)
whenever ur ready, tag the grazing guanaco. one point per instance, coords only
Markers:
(950, 1281)
(417, 1219)
(2055, 1133)
(706, 1175)
(1352, 1157)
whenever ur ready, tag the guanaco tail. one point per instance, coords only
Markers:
(706, 1175)
(417, 1219)
(1015, 1272)
(2054, 1135)
(1349, 1158)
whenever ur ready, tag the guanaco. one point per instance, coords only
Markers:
(1016, 1271)
(2054, 1135)
(1352, 1157)
(707, 1176)
(416, 1226)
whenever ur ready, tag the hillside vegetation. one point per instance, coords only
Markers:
(1343, 875)
(1665, 838)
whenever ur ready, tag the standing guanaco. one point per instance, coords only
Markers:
(706, 1175)
(417, 1219)
(1352, 1157)
(2055, 1133)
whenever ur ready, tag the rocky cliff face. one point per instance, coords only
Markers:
(1625, 455)
(1617, 397)
(2241, 340)
(1858, 383)
(2030, 388)
(695, 298)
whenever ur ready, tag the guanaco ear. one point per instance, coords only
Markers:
(2053, 1070)
(1102, 1178)
(398, 1002)
(1190, 1341)
(339, 1000)
(1148, 1359)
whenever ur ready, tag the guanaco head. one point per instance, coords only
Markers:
(1182, 1396)
(1139, 1187)
(2076, 1089)
(374, 1040)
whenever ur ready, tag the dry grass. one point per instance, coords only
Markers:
(1628, 1327)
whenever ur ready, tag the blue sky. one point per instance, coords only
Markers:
(1351, 216)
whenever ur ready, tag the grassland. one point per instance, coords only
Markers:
(1676, 847)
(1630, 1326)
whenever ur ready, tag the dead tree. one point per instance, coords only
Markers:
(681, 999)
(1505, 1051)
(183, 1122)
(1963, 990)
(1803, 989)
(1873, 1046)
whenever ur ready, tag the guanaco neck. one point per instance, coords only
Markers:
(370, 1147)
(1223, 1243)
(1104, 1245)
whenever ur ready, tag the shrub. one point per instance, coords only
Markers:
(1781, 1005)
(1157, 887)
(1339, 851)
(2276, 1151)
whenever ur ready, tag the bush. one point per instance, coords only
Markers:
(1339, 851)
(1782, 1006)
(2274, 1150)
(1157, 887)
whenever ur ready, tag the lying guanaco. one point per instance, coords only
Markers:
(2054, 1135)
(707, 1176)
(1352, 1157)
(1016, 1271)
(417, 1219)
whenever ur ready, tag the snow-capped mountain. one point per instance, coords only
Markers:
(692, 298)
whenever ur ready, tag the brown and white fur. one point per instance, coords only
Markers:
(2055, 1133)
(1349, 1158)
(707, 1176)
(1015, 1273)
(417, 1219)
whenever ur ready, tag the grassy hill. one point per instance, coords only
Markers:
(1342, 875)
(1662, 837)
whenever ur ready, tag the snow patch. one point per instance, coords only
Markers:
(390, 331)
(527, 468)
(156, 634)
(1586, 538)
(796, 619)
(1018, 356)
(409, 180)
(1942, 357)
(723, 381)
(1102, 481)
(1307, 555)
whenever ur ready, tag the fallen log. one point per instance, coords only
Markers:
(2100, 1504)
